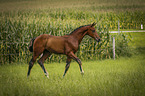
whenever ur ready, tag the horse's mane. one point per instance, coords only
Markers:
(78, 28)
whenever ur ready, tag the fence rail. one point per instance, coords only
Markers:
(127, 31)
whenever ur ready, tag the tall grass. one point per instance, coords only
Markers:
(122, 77)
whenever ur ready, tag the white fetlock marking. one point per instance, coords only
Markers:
(46, 74)
(41, 55)
(82, 72)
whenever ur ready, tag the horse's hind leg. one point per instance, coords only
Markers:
(31, 63)
(36, 54)
(41, 61)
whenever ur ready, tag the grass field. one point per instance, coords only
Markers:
(121, 77)
(138, 39)
(20, 20)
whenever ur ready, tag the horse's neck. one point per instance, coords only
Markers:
(79, 35)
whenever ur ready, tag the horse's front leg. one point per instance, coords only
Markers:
(72, 55)
(67, 65)
(80, 65)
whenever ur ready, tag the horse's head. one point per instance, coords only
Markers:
(92, 32)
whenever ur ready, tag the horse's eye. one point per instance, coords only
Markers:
(93, 31)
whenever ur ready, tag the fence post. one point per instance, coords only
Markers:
(141, 26)
(118, 27)
(114, 48)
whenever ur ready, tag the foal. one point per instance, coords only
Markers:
(67, 44)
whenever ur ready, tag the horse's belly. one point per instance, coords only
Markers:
(55, 46)
(56, 50)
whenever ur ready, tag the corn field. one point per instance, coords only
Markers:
(16, 30)
(18, 27)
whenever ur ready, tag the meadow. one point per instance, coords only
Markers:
(121, 77)
(21, 20)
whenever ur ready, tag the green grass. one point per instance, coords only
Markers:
(30, 18)
(121, 77)
(138, 39)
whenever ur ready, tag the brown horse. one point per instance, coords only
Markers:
(68, 44)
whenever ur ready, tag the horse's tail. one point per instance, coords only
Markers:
(31, 45)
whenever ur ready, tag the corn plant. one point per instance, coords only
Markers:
(17, 29)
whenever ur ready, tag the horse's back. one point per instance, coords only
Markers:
(41, 39)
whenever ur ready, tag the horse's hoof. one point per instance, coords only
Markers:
(47, 76)
(82, 72)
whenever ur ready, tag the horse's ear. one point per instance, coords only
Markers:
(93, 24)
